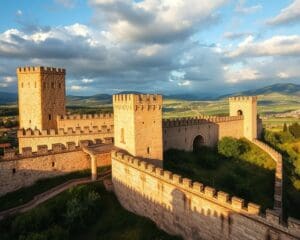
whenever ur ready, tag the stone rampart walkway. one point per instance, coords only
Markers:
(277, 157)
(42, 197)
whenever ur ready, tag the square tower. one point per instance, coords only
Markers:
(41, 96)
(247, 107)
(138, 125)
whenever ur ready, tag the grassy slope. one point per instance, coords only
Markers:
(26, 194)
(109, 220)
(116, 223)
(244, 177)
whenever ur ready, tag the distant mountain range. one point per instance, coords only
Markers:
(8, 98)
(282, 88)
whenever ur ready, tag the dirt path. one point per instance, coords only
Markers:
(42, 197)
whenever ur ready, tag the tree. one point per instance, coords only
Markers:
(285, 129)
(230, 147)
(295, 130)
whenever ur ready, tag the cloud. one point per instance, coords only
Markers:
(85, 80)
(275, 46)
(149, 46)
(155, 21)
(92, 58)
(19, 13)
(236, 35)
(288, 15)
(77, 88)
(66, 3)
(242, 9)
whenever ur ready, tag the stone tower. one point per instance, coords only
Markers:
(138, 125)
(246, 106)
(41, 96)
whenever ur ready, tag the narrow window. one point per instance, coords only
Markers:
(148, 150)
(53, 164)
(13, 170)
(49, 116)
(22, 85)
(34, 84)
(59, 85)
(122, 135)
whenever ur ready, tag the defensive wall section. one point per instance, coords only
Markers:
(33, 138)
(277, 157)
(85, 120)
(20, 170)
(180, 133)
(189, 209)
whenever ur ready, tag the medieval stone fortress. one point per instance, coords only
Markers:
(132, 140)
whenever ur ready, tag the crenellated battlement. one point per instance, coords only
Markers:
(236, 204)
(186, 184)
(176, 122)
(40, 69)
(85, 116)
(10, 154)
(138, 98)
(243, 98)
(22, 133)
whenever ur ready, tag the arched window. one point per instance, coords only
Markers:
(240, 113)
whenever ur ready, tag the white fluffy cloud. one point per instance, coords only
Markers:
(241, 8)
(155, 21)
(274, 46)
(150, 45)
(290, 14)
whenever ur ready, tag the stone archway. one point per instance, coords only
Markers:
(198, 142)
(240, 113)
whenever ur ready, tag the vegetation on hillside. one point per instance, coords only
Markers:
(289, 145)
(239, 168)
(82, 212)
(24, 195)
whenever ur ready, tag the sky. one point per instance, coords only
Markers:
(195, 47)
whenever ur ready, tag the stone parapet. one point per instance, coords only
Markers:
(248, 215)
(27, 152)
(232, 202)
(62, 132)
(176, 122)
(85, 116)
(40, 69)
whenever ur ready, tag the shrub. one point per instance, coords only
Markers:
(295, 130)
(231, 147)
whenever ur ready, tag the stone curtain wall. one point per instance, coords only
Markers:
(180, 133)
(277, 157)
(191, 210)
(34, 138)
(23, 170)
(85, 120)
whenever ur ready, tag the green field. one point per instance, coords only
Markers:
(267, 105)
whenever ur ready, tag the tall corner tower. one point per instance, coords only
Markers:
(41, 96)
(138, 125)
(247, 107)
